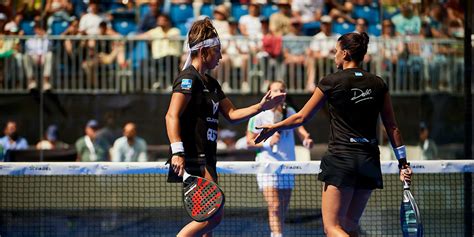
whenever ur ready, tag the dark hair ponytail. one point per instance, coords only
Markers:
(356, 44)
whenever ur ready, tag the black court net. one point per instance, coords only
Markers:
(133, 199)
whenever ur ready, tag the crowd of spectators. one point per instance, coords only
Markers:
(99, 143)
(266, 23)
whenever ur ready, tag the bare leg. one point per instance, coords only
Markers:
(335, 205)
(356, 208)
(277, 201)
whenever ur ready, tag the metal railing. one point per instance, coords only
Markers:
(80, 64)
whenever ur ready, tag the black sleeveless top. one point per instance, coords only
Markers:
(355, 99)
(199, 120)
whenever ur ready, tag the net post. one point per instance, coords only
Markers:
(468, 204)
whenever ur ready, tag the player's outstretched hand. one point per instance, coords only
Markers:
(272, 99)
(266, 132)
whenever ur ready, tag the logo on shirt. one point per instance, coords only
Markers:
(186, 84)
(360, 95)
(215, 107)
(358, 74)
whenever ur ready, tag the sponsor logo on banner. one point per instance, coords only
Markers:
(186, 84)
(39, 168)
(5, 167)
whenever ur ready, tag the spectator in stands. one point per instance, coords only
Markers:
(455, 10)
(320, 51)
(294, 51)
(220, 22)
(90, 21)
(434, 19)
(340, 10)
(389, 48)
(38, 54)
(74, 48)
(362, 26)
(307, 11)
(90, 148)
(11, 58)
(110, 131)
(280, 21)
(236, 54)
(79, 7)
(50, 140)
(12, 140)
(429, 150)
(250, 25)
(148, 21)
(103, 52)
(130, 147)
(165, 45)
(14, 25)
(406, 22)
(57, 10)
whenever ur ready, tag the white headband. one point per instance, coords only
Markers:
(203, 44)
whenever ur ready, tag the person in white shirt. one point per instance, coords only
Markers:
(280, 147)
(307, 10)
(130, 147)
(38, 53)
(90, 22)
(250, 25)
(321, 47)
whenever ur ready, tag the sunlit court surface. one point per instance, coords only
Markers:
(86, 89)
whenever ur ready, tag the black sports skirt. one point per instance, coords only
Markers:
(357, 171)
(195, 167)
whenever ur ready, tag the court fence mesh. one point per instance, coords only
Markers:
(134, 199)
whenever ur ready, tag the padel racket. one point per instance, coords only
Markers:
(410, 218)
(202, 197)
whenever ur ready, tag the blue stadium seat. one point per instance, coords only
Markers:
(124, 26)
(375, 29)
(139, 53)
(28, 27)
(143, 10)
(182, 28)
(58, 27)
(268, 10)
(342, 28)
(370, 14)
(239, 10)
(180, 13)
(311, 28)
(207, 10)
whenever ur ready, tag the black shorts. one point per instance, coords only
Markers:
(195, 167)
(357, 171)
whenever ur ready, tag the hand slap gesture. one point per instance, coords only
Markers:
(272, 99)
(266, 132)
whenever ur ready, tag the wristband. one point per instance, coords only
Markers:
(400, 152)
(266, 144)
(177, 147)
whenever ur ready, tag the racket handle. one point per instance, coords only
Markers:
(275, 148)
(185, 175)
(406, 185)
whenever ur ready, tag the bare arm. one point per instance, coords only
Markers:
(177, 105)
(395, 136)
(310, 108)
(390, 123)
